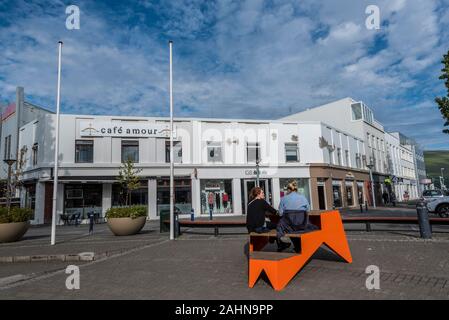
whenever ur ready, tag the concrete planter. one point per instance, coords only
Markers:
(14, 231)
(126, 226)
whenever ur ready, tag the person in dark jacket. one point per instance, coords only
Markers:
(258, 209)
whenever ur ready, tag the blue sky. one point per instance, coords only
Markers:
(232, 59)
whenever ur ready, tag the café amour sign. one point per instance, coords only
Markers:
(123, 129)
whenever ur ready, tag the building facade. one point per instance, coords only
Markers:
(215, 163)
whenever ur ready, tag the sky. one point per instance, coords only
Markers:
(245, 59)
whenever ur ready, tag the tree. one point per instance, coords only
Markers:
(128, 179)
(443, 102)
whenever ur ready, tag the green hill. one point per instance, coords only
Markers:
(435, 160)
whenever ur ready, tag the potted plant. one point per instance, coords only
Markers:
(126, 219)
(14, 223)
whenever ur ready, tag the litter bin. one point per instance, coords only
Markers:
(164, 216)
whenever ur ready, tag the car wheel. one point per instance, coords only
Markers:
(443, 211)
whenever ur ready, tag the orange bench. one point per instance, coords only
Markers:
(281, 267)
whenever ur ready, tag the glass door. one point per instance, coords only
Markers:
(250, 184)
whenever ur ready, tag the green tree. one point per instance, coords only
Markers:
(443, 102)
(128, 179)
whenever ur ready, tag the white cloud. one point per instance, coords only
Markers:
(249, 58)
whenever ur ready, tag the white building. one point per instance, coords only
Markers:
(401, 165)
(215, 163)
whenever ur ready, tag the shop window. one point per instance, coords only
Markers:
(349, 195)
(336, 192)
(216, 195)
(177, 151)
(84, 151)
(253, 152)
(214, 153)
(291, 152)
(183, 195)
(303, 186)
(130, 151)
(137, 196)
(83, 198)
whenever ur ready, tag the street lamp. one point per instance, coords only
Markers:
(257, 172)
(443, 185)
(370, 167)
(10, 163)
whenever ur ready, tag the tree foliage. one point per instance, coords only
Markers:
(443, 102)
(128, 179)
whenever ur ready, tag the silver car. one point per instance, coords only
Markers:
(432, 194)
(439, 205)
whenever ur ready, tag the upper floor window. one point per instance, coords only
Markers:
(291, 152)
(347, 158)
(177, 151)
(130, 151)
(253, 152)
(358, 161)
(339, 156)
(356, 111)
(35, 150)
(214, 152)
(84, 151)
(7, 154)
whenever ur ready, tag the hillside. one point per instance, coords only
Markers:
(435, 160)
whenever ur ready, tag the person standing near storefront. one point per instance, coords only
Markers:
(225, 201)
(211, 201)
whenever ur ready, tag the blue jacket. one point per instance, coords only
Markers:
(293, 201)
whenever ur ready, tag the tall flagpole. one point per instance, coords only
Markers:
(55, 170)
(172, 194)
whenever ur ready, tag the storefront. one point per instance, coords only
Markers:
(216, 196)
(335, 187)
(183, 195)
(83, 198)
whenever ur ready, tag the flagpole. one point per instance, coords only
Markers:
(172, 195)
(55, 170)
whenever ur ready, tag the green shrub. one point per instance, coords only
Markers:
(127, 212)
(15, 215)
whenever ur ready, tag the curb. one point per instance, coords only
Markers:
(84, 256)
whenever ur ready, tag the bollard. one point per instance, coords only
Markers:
(192, 215)
(366, 205)
(361, 208)
(176, 225)
(423, 220)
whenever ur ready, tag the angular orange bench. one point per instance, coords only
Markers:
(281, 267)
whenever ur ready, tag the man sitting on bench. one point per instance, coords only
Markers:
(293, 209)
(258, 209)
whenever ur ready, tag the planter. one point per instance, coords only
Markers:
(126, 226)
(10, 232)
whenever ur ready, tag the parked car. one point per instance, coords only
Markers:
(432, 194)
(439, 205)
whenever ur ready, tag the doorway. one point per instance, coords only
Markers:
(249, 184)
(321, 197)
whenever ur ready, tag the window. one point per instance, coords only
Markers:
(358, 161)
(84, 151)
(339, 156)
(347, 158)
(214, 152)
(34, 153)
(130, 151)
(7, 154)
(177, 151)
(291, 152)
(253, 152)
(331, 156)
(356, 111)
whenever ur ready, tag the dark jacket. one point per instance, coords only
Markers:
(257, 210)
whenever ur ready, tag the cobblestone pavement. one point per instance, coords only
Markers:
(205, 267)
